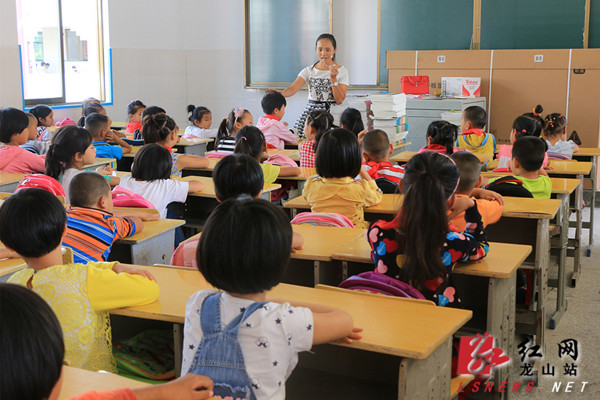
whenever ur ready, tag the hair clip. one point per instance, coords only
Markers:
(238, 112)
(244, 138)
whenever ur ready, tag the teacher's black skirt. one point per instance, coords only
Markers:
(311, 106)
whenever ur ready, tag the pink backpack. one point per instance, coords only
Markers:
(185, 254)
(323, 219)
(374, 282)
(218, 154)
(41, 181)
(281, 160)
(126, 198)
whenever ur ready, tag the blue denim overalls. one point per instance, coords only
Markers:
(219, 355)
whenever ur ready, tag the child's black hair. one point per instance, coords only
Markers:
(470, 169)
(88, 101)
(89, 109)
(338, 154)
(40, 112)
(530, 152)
(196, 113)
(152, 162)
(134, 107)
(526, 126)
(537, 115)
(376, 143)
(321, 122)
(271, 101)
(476, 116)
(66, 142)
(237, 175)
(95, 123)
(245, 246)
(329, 37)
(32, 222)
(352, 120)
(443, 133)
(251, 141)
(429, 181)
(157, 127)
(555, 123)
(228, 124)
(86, 188)
(32, 345)
(12, 122)
(152, 110)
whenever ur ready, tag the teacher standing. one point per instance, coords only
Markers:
(327, 81)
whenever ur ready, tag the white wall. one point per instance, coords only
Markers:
(164, 53)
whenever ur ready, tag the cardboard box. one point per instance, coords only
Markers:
(460, 86)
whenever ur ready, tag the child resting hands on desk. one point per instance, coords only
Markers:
(243, 251)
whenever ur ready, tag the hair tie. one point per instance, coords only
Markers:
(535, 114)
(238, 112)
(244, 138)
(523, 130)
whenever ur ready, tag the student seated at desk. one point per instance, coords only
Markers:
(243, 251)
(317, 123)
(489, 203)
(376, 150)
(251, 141)
(45, 119)
(134, 114)
(13, 133)
(151, 178)
(34, 145)
(230, 126)
(522, 126)
(277, 133)
(71, 148)
(99, 127)
(422, 233)
(97, 108)
(473, 137)
(91, 226)
(555, 132)
(526, 163)
(334, 189)
(33, 353)
(163, 130)
(201, 119)
(32, 223)
(351, 119)
(440, 137)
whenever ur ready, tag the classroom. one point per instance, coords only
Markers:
(324, 199)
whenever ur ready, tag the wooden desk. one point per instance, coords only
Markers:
(9, 181)
(155, 244)
(426, 346)
(590, 154)
(209, 187)
(192, 146)
(99, 162)
(9, 266)
(134, 150)
(293, 154)
(405, 156)
(77, 381)
(493, 278)
(390, 204)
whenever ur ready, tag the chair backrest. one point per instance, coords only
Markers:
(373, 282)
(509, 186)
(185, 254)
(323, 219)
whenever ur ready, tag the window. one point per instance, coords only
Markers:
(62, 51)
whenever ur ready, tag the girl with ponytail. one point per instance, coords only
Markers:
(421, 231)
(201, 119)
(441, 136)
(229, 127)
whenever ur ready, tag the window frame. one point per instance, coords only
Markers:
(105, 67)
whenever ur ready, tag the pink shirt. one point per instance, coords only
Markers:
(504, 156)
(16, 160)
(276, 133)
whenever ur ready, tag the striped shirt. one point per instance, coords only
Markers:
(91, 233)
(227, 144)
(386, 175)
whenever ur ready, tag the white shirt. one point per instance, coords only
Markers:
(160, 192)
(270, 338)
(201, 132)
(319, 82)
(66, 179)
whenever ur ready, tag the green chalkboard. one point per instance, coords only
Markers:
(532, 24)
(594, 38)
(424, 25)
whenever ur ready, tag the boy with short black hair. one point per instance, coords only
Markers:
(473, 137)
(527, 159)
(377, 150)
(99, 127)
(33, 145)
(276, 132)
(32, 223)
(489, 203)
(91, 226)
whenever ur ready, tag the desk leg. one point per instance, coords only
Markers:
(578, 226)
(542, 259)
(178, 347)
(157, 250)
(561, 305)
(501, 323)
(593, 173)
(301, 186)
(428, 378)
(317, 272)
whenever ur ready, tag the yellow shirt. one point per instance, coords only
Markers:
(343, 196)
(80, 296)
(270, 172)
(477, 144)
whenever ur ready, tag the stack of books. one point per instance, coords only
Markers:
(388, 113)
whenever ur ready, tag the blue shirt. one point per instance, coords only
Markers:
(105, 150)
